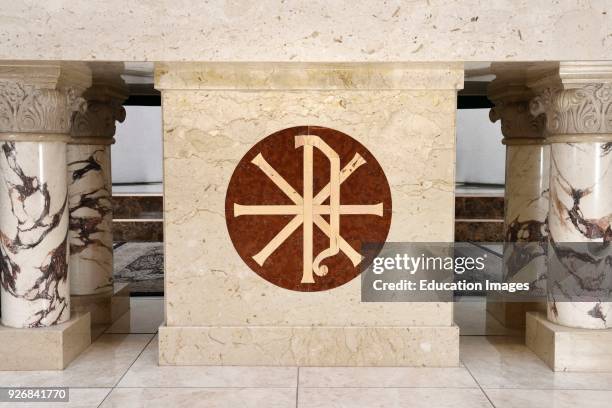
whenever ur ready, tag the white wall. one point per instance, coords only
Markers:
(137, 152)
(480, 154)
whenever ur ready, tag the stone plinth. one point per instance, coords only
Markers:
(44, 348)
(218, 310)
(566, 348)
(309, 346)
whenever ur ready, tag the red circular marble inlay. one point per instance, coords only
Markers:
(300, 232)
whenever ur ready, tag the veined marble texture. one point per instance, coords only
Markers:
(580, 212)
(206, 132)
(91, 218)
(33, 234)
(526, 212)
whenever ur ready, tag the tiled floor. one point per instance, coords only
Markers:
(120, 370)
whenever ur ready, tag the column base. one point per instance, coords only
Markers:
(512, 315)
(310, 346)
(105, 308)
(566, 348)
(45, 348)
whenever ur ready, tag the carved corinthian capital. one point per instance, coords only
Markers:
(29, 108)
(516, 120)
(584, 109)
(104, 106)
(41, 97)
(510, 95)
(99, 119)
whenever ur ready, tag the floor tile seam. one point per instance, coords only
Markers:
(134, 361)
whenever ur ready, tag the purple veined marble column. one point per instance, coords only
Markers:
(91, 217)
(35, 119)
(526, 212)
(90, 191)
(579, 125)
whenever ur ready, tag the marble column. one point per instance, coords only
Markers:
(37, 106)
(90, 190)
(526, 185)
(577, 101)
(526, 194)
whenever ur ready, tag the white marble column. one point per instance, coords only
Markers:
(526, 196)
(577, 101)
(526, 186)
(37, 105)
(90, 190)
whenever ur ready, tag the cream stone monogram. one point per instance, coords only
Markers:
(309, 209)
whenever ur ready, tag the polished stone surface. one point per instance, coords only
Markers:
(526, 213)
(79, 398)
(581, 211)
(145, 316)
(104, 308)
(478, 215)
(129, 206)
(146, 373)
(505, 362)
(391, 397)
(147, 230)
(201, 397)
(479, 230)
(44, 348)
(91, 218)
(431, 346)
(478, 207)
(121, 370)
(103, 364)
(566, 348)
(436, 30)
(35, 290)
(212, 118)
(549, 398)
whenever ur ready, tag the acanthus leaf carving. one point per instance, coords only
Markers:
(587, 109)
(27, 108)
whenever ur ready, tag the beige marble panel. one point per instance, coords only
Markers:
(411, 133)
(309, 346)
(569, 349)
(308, 76)
(266, 30)
(44, 348)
